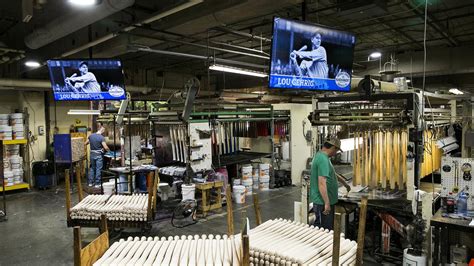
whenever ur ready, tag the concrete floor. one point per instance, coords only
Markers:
(36, 231)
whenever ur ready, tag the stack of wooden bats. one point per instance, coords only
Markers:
(178, 135)
(432, 154)
(380, 158)
(224, 137)
(225, 134)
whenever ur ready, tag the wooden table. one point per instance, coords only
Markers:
(442, 226)
(205, 189)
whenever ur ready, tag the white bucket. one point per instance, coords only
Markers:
(410, 260)
(8, 178)
(264, 169)
(8, 174)
(164, 191)
(16, 115)
(247, 182)
(6, 165)
(18, 180)
(109, 187)
(16, 162)
(18, 132)
(236, 182)
(188, 191)
(16, 119)
(264, 183)
(6, 132)
(239, 194)
(17, 176)
(246, 172)
(255, 185)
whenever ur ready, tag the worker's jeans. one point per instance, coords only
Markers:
(96, 167)
(322, 220)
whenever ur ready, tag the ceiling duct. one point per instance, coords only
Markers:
(149, 20)
(70, 23)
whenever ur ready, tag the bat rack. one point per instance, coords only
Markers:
(414, 110)
(228, 123)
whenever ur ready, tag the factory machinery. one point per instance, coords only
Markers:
(395, 139)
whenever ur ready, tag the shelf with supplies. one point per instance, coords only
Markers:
(16, 187)
(15, 142)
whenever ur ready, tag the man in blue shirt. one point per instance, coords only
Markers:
(97, 147)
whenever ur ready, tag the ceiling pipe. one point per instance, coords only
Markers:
(70, 23)
(201, 46)
(133, 48)
(241, 33)
(130, 28)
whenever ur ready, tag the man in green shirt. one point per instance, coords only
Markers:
(323, 184)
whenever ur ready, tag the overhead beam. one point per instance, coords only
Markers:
(402, 33)
(433, 24)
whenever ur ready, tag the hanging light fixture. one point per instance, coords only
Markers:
(236, 70)
(84, 2)
(83, 112)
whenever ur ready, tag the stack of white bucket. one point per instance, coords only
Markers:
(16, 121)
(16, 163)
(247, 178)
(5, 128)
(264, 179)
(255, 175)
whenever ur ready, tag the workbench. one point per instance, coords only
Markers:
(116, 171)
(441, 229)
(205, 189)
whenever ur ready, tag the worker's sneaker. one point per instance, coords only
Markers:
(90, 185)
(97, 186)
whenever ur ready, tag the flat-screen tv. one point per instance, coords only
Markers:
(88, 79)
(310, 57)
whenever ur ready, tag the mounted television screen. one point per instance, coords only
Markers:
(310, 57)
(88, 79)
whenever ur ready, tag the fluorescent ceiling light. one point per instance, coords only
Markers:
(455, 91)
(83, 112)
(236, 70)
(408, 80)
(83, 2)
(375, 55)
(259, 92)
(32, 64)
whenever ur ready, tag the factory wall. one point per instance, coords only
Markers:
(12, 101)
(60, 118)
(300, 149)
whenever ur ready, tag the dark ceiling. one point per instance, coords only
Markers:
(214, 27)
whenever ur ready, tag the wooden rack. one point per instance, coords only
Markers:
(95, 249)
(151, 209)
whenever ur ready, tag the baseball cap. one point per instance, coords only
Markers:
(336, 142)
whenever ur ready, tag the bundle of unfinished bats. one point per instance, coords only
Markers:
(116, 207)
(179, 147)
(275, 242)
(380, 158)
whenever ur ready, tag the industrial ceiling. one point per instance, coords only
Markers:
(239, 31)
